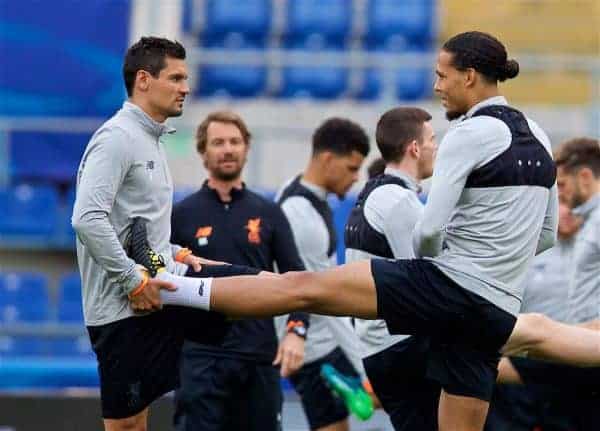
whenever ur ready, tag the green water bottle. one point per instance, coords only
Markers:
(350, 390)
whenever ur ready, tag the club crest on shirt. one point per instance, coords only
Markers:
(253, 228)
(202, 235)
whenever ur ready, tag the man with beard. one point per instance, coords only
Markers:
(522, 408)
(234, 384)
(578, 181)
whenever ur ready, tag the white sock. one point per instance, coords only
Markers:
(191, 292)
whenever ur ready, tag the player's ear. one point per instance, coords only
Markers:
(470, 77)
(142, 80)
(413, 149)
(326, 157)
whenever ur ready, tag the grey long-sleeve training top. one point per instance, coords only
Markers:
(123, 174)
(484, 238)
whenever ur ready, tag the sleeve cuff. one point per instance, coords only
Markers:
(133, 280)
(181, 254)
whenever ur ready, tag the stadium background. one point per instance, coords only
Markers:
(284, 65)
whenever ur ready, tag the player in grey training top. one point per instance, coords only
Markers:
(579, 185)
(415, 296)
(546, 291)
(547, 281)
(124, 174)
(339, 147)
(578, 181)
(380, 226)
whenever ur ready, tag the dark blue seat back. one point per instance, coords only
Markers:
(407, 24)
(249, 18)
(318, 23)
(28, 211)
(23, 297)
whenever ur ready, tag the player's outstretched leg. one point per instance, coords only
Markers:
(543, 338)
(347, 290)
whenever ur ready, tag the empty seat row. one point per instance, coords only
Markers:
(24, 298)
(45, 155)
(36, 214)
(318, 82)
(312, 23)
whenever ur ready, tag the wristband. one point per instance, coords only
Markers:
(297, 327)
(181, 254)
(141, 286)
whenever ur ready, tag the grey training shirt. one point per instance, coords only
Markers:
(393, 211)
(484, 238)
(584, 289)
(123, 174)
(547, 282)
(312, 239)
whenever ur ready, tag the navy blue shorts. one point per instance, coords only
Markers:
(227, 394)
(138, 361)
(398, 377)
(466, 331)
(585, 381)
(580, 387)
(138, 357)
(321, 407)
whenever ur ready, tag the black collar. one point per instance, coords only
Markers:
(235, 193)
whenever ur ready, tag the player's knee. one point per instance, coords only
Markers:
(537, 327)
(305, 290)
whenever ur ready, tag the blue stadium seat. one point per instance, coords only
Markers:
(69, 300)
(11, 346)
(407, 24)
(249, 19)
(187, 16)
(232, 80)
(319, 82)
(409, 84)
(23, 297)
(318, 24)
(413, 84)
(46, 156)
(28, 211)
(78, 346)
(66, 234)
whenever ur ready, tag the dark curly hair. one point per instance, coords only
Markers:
(340, 136)
(149, 54)
(482, 52)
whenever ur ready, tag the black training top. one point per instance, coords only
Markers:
(249, 230)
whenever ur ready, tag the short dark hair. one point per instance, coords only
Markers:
(577, 153)
(377, 167)
(149, 54)
(340, 136)
(226, 117)
(397, 128)
(482, 52)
